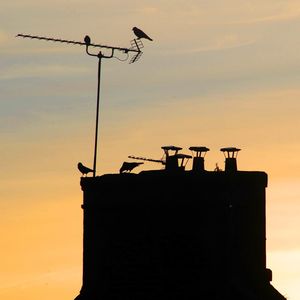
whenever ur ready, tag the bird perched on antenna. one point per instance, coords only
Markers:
(129, 166)
(141, 34)
(87, 40)
(83, 169)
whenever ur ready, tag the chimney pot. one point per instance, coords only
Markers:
(199, 153)
(230, 154)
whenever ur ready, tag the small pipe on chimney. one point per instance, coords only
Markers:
(230, 154)
(199, 153)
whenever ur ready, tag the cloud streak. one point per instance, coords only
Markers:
(226, 42)
(40, 71)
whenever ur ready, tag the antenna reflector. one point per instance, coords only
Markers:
(136, 57)
(136, 44)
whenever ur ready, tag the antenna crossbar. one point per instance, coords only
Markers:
(57, 40)
(147, 159)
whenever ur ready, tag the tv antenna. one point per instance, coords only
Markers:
(161, 161)
(135, 49)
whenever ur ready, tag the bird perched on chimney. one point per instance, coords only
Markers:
(140, 34)
(129, 166)
(83, 169)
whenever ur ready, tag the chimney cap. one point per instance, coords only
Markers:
(230, 152)
(199, 149)
(174, 148)
(230, 149)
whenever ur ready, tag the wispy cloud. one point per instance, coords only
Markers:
(267, 13)
(33, 71)
(226, 42)
(284, 16)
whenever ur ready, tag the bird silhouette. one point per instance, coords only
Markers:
(87, 40)
(141, 34)
(129, 166)
(83, 169)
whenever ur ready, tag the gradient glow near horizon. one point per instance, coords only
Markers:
(218, 73)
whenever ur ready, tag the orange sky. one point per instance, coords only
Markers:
(218, 73)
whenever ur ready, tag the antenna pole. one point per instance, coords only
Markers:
(97, 113)
(100, 55)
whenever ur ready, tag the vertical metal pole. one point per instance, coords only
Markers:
(97, 113)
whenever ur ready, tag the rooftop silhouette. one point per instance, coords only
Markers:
(176, 234)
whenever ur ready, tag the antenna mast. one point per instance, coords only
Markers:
(136, 46)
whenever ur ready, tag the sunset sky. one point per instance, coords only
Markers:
(218, 73)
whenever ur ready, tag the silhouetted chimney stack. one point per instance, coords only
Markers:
(171, 157)
(175, 161)
(198, 158)
(178, 235)
(230, 154)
